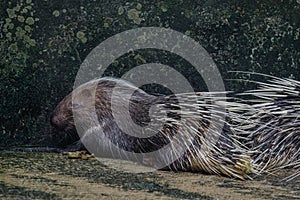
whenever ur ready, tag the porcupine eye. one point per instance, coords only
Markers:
(75, 106)
(72, 106)
(81, 100)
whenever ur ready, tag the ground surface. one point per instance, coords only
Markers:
(54, 176)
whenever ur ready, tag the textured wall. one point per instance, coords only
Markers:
(42, 44)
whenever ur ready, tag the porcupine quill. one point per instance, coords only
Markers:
(270, 119)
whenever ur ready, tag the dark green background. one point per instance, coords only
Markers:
(43, 43)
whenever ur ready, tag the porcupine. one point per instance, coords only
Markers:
(270, 121)
(192, 119)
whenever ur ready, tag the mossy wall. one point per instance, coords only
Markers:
(43, 43)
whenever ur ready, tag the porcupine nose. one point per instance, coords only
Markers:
(55, 121)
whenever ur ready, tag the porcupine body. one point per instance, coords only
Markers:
(193, 121)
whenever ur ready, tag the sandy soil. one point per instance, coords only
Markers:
(54, 176)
